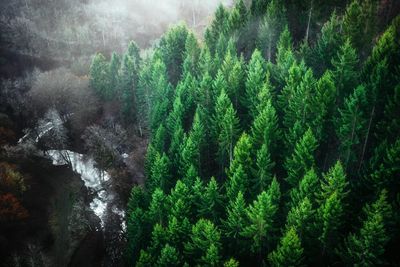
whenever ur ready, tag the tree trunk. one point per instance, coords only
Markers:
(309, 21)
(366, 138)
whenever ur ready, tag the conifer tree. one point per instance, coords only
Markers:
(265, 128)
(159, 173)
(235, 222)
(367, 246)
(302, 159)
(210, 204)
(351, 126)
(99, 73)
(261, 216)
(307, 188)
(344, 71)
(240, 169)
(204, 235)
(328, 44)
(254, 82)
(169, 257)
(330, 221)
(289, 252)
(191, 56)
(114, 66)
(157, 209)
(273, 24)
(226, 128)
(264, 170)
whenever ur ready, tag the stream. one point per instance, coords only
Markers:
(97, 181)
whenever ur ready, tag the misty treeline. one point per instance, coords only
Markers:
(71, 30)
(265, 148)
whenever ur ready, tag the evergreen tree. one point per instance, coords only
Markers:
(99, 73)
(330, 221)
(351, 126)
(345, 73)
(302, 159)
(157, 209)
(210, 204)
(328, 44)
(301, 218)
(240, 168)
(169, 257)
(261, 216)
(366, 248)
(191, 56)
(264, 170)
(289, 252)
(307, 188)
(265, 128)
(172, 49)
(114, 66)
(226, 128)
(204, 235)
(254, 82)
(273, 24)
(235, 222)
(159, 173)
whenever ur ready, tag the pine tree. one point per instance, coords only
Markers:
(273, 24)
(344, 71)
(114, 66)
(284, 56)
(240, 169)
(351, 126)
(192, 56)
(157, 209)
(255, 76)
(159, 173)
(127, 86)
(238, 17)
(99, 73)
(289, 252)
(261, 217)
(265, 128)
(302, 159)
(232, 70)
(172, 50)
(169, 257)
(210, 204)
(328, 44)
(212, 257)
(330, 221)
(359, 24)
(235, 220)
(366, 248)
(264, 170)
(307, 188)
(334, 181)
(226, 128)
(301, 218)
(204, 235)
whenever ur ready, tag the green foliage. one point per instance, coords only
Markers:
(289, 252)
(302, 159)
(254, 82)
(261, 216)
(272, 26)
(204, 236)
(293, 143)
(367, 246)
(351, 126)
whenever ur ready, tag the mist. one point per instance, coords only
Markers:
(65, 29)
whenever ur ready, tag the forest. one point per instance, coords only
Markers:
(269, 136)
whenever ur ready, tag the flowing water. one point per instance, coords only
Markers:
(96, 180)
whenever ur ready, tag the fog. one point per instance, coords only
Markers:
(63, 29)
